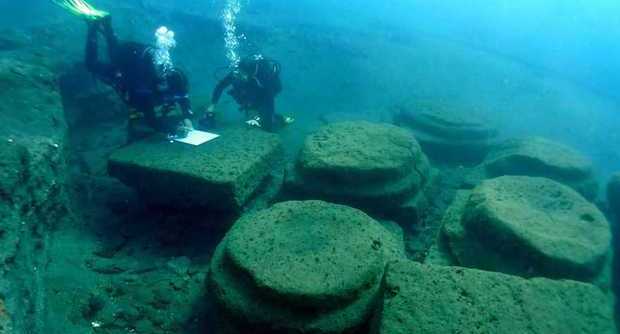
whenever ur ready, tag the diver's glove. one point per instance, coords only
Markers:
(182, 130)
(211, 108)
(289, 120)
(255, 122)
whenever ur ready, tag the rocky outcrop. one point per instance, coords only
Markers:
(222, 175)
(536, 156)
(448, 135)
(378, 168)
(436, 300)
(33, 200)
(301, 267)
(529, 227)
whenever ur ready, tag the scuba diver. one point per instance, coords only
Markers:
(255, 84)
(142, 75)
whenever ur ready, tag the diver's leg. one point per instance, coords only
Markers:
(103, 71)
(91, 58)
(110, 36)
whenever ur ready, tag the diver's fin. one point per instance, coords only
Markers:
(81, 8)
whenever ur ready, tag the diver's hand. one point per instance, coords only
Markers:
(211, 108)
(187, 123)
(254, 122)
(289, 120)
(182, 130)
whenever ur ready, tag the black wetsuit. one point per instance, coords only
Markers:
(255, 85)
(132, 73)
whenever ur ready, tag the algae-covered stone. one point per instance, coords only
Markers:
(379, 168)
(222, 174)
(448, 134)
(528, 226)
(536, 156)
(31, 104)
(243, 305)
(13, 158)
(358, 152)
(435, 300)
(302, 266)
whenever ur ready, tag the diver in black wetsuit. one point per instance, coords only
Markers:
(255, 84)
(137, 78)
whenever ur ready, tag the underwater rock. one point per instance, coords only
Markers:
(379, 168)
(12, 40)
(88, 103)
(448, 136)
(434, 299)
(613, 194)
(34, 197)
(529, 227)
(31, 104)
(374, 116)
(535, 156)
(301, 267)
(221, 175)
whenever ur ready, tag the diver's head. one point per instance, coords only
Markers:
(248, 67)
(177, 82)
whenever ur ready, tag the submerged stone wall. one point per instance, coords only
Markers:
(33, 184)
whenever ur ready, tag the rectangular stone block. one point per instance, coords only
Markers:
(221, 175)
(434, 299)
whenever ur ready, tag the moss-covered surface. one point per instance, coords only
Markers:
(302, 266)
(378, 168)
(535, 156)
(301, 245)
(434, 299)
(354, 152)
(447, 134)
(527, 226)
(31, 104)
(222, 174)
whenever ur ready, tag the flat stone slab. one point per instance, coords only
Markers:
(359, 151)
(379, 168)
(311, 252)
(304, 267)
(436, 300)
(535, 156)
(448, 134)
(445, 123)
(527, 226)
(221, 175)
(247, 310)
